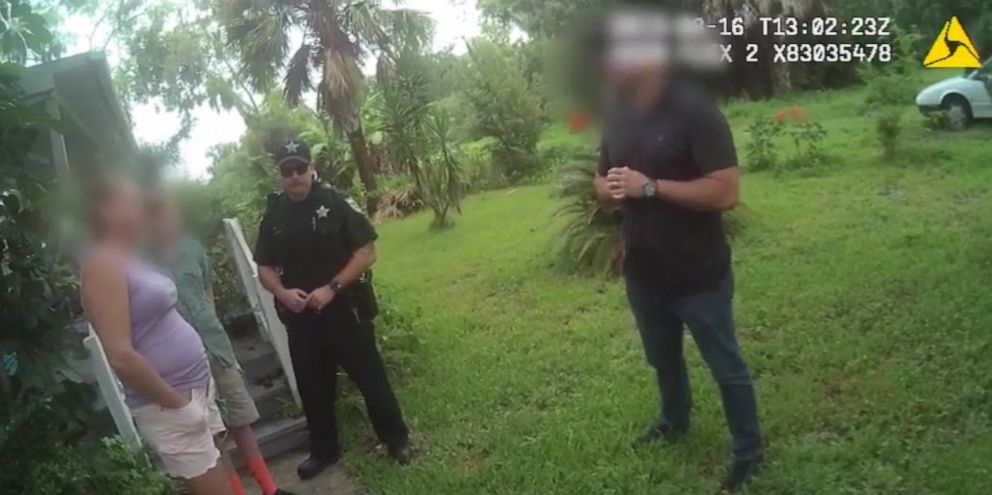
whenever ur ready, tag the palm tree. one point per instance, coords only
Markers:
(337, 36)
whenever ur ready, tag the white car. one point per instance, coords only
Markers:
(964, 98)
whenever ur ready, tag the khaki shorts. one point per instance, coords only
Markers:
(183, 438)
(236, 405)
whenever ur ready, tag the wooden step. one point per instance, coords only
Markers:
(275, 437)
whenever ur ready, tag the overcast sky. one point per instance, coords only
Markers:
(454, 20)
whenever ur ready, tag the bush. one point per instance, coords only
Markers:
(761, 152)
(889, 127)
(506, 108)
(889, 89)
(478, 165)
(591, 239)
(105, 468)
(398, 202)
(807, 137)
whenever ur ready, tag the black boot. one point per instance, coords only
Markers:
(659, 431)
(401, 453)
(312, 466)
(740, 473)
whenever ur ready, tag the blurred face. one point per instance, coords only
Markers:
(636, 54)
(164, 220)
(118, 210)
(297, 178)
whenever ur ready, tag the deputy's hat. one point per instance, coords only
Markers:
(294, 150)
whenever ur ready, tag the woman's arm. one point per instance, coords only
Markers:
(105, 300)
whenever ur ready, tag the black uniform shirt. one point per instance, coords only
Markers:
(312, 240)
(674, 249)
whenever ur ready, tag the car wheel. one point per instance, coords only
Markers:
(958, 112)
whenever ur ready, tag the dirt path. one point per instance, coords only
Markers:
(333, 481)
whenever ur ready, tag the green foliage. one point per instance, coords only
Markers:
(336, 38)
(889, 126)
(506, 108)
(175, 54)
(591, 238)
(109, 467)
(480, 172)
(444, 184)
(25, 33)
(762, 151)
(894, 83)
(807, 139)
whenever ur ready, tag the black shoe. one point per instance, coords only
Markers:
(312, 466)
(402, 453)
(280, 491)
(740, 473)
(659, 431)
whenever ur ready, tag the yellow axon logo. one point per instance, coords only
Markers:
(952, 49)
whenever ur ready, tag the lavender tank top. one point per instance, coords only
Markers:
(161, 335)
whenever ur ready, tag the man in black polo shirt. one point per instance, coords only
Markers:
(668, 157)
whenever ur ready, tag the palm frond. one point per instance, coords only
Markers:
(297, 78)
(259, 33)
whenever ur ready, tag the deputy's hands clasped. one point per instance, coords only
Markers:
(625, 182)
(295, 300)
(320, 297)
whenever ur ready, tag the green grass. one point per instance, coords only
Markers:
(863, 309)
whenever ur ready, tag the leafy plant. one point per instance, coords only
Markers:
(398, 202)
(591, 238)
(108, 467)
(888, 125)
(506, 108)
(444, 184)
(761, 152)
(807, 138)
(337, 36)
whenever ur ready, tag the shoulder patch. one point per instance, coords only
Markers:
(354, 204)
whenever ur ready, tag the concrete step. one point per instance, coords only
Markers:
(258, 359)
(275, 437)
(272, 397)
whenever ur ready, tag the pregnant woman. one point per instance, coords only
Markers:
(156, 354)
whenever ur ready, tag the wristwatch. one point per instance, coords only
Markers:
(650, 189)
(335, 286)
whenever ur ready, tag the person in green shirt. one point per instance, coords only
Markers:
(185, 261)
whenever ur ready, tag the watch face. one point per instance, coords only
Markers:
(649, 189)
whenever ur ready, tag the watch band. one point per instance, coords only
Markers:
(335, 286)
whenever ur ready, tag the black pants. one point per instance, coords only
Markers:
(318, 344)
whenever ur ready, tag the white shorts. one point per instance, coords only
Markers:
(183, 438)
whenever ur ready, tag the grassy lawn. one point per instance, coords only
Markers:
(863, 309)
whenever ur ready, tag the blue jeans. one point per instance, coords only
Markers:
(710, 319)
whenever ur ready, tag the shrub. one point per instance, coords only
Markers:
(398, 202)
(888, 125)
(761, 152)
(444, 184)
(108, 467)
(807, 138)
(591, 239)
(506, 107)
